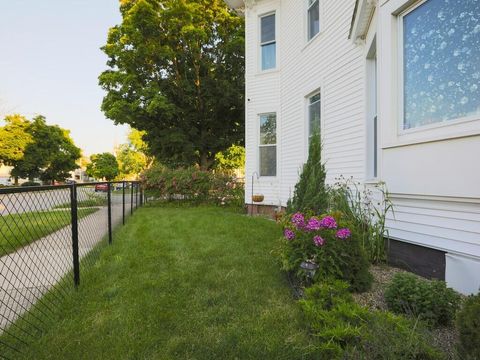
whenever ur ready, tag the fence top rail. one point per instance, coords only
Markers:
(25, 189)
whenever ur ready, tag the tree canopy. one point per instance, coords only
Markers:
(37, 150)
(14, 139)
(133, 157)
(103, 166)
(177, 72)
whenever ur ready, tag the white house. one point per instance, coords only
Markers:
(394, 86)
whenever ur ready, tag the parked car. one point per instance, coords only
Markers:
(101, 188)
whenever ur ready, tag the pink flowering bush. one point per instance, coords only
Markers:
(331, 243)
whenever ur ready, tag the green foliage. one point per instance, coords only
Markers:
(14, 139)
(431, 301)
(194, 185)
(366, 210)
(337, 258)
(103, 166)
(177, 72)
(468, 325)
(346, 330)
(30, 183)
(50, 155)
(133, 156)
(310, 192)
(231, 159)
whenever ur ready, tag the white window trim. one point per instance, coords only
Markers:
(308, 19)
(306, 27)
(260, 44)
(390, 89)
(259, 145)
(306, 102)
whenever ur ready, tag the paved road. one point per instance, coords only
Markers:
(31, 271)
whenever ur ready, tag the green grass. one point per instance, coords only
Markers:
(18, 230)
(181, 283)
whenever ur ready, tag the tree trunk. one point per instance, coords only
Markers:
(205, 162)
(16, 180)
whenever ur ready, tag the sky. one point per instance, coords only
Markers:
(50, 60)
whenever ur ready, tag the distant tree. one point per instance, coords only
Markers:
(14, 139)
(50, 156)
(232, 159)
(177, 72)
(103, 166)
(133, 157)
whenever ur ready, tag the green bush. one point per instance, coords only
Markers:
(432, 301)
(346, 330)
(328, 242)
(468, 325)
(310, 192)
(30, 183)
(193, 185)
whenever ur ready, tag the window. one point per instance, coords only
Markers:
(314, 102)
(441, 70)
(313, 18)
(268, 43)
(268, 145)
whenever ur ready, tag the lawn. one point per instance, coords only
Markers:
(181, 283)
(18, 230)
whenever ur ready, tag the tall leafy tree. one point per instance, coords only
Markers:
(133, 157)
(14, 139)
(103, 166)
(177, 72)
(50, 156)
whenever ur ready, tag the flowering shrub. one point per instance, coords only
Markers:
(192, 184)
(329, 242)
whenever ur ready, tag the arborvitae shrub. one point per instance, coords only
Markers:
(468, 325)
(310, 193)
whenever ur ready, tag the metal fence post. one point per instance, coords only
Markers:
(131, 198)
(109, 199)
(123, 202)
(136, 196)
(75, 252)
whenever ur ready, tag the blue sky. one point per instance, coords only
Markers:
(50, 59)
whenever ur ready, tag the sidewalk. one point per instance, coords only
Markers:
(30, 272)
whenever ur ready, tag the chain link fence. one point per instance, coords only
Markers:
(49, 235)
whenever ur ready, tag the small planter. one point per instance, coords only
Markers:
(258, 198)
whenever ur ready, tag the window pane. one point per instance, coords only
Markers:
(268, 129)
(268, 161)
(314, 19)
(268, 28)
(441, 62)
(314, 115)
(268, 56)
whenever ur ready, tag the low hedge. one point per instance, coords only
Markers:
(193, 185)
(468, 325)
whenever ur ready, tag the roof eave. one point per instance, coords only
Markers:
(362, 16)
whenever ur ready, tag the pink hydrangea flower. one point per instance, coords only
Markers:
(343, 233)
(289, 234)
(328, 222)
(298, 220)
(318, 240)
(313, 224)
